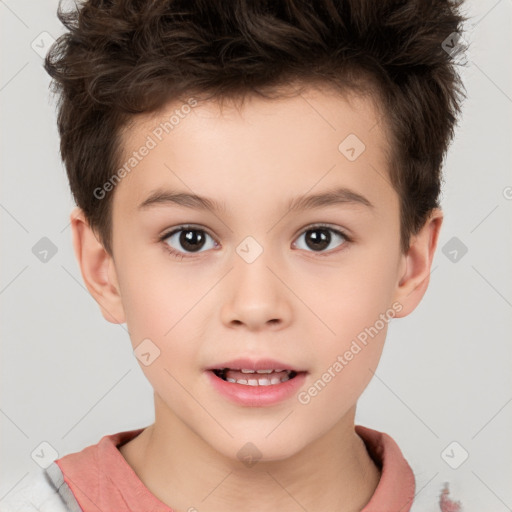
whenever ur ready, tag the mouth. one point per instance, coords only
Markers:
(247, 377)
(249, 382)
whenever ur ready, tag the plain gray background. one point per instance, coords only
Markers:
(69, 377)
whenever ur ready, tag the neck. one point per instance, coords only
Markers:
(335, 472)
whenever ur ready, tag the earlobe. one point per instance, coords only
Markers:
(97, 268)
(413, 280)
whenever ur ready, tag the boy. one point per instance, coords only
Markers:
(299, 145)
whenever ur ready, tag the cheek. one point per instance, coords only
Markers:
(352, 297)
(163, 316)
(158, 300)
(341, 376)
(355, 305)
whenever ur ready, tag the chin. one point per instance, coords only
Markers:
(251, 449)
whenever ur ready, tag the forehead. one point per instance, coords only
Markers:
(320, 106)
(280, 147)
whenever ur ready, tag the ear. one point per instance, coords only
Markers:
(415, 265)
(97, 267)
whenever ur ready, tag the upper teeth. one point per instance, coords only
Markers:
(260, 371)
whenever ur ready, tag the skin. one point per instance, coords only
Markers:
(291, 303)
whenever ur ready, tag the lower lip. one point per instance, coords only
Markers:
(257, 396)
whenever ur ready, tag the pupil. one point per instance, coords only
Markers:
(189, 239)
(318, 241)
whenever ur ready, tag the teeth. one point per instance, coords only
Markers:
(261, 371)
(261, 381)
(258, 377)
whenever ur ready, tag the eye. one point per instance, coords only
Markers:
(319, 237)
(191, 239)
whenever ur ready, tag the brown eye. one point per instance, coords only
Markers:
(186, 240)
(191, 240)
(319, 238)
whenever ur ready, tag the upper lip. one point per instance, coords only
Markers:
(254, 364)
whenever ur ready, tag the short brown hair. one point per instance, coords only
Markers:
(124, 57)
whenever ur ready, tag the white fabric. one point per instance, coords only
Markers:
(35, 493)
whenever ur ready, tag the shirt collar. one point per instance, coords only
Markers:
(396, 487)
(119, 485)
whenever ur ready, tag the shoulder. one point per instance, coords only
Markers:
(36, 493)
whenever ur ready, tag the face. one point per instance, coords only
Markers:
(312, 287)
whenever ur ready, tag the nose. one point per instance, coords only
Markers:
(255, 295)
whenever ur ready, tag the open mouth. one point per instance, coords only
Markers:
(255, 377)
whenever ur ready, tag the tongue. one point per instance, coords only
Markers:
(238, 375)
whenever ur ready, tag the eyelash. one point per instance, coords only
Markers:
(180, 255)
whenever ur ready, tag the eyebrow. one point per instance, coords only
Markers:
(337, 196)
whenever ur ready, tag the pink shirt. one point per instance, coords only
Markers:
(99, 477)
